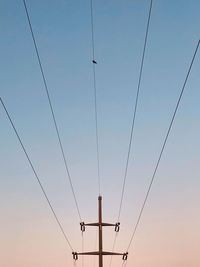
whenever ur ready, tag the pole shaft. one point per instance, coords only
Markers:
(100, 233)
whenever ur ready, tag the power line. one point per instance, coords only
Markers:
(134, 118)
(135, 109)
(51, 108)
(35, 173)
(95, 95)
(163, 147)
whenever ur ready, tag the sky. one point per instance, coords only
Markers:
(169, 234)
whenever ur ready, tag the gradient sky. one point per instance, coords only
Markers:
(169, 234)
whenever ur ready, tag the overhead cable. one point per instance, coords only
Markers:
(51, 108)
(35, 173)
(163, 147)
(95, 95)
(134, 118)
(135, 108)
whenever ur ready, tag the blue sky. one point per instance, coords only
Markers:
(62, 29)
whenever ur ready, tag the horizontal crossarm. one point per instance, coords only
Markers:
(103, 253)
(98, 224)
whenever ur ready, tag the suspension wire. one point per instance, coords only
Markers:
(82, 247)
(113, 248)
(163, 146)
(51, 107)
(35, 173)
(124, 263)
(134, 118)
(95, 248)
(95, 96)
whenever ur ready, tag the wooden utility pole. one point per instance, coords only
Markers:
(100, 225)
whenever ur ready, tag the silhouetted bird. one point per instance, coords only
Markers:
(94, 61)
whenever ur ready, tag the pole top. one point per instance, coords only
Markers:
(100, 198)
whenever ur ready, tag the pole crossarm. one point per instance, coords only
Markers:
(100, 225)
(102, 253)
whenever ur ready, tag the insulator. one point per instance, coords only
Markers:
(82, 224)
(75, 256)
(125, 256)
(117, 227)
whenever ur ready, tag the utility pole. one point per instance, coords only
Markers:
(100, 225)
